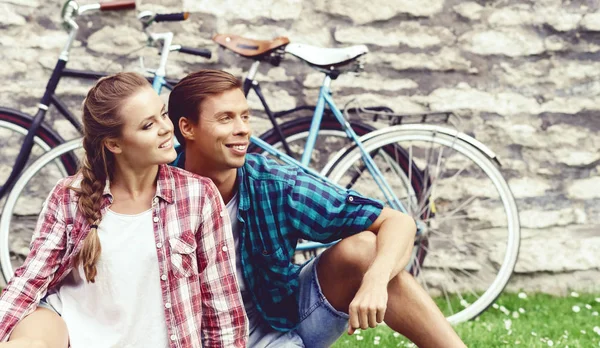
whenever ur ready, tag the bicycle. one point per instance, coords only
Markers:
(408, 165)
(47, 139)
(40, 137)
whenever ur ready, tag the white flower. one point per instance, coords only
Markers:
(597, 299)
(375, 342)
(524, 295)
(521, 310)
(574, 294)
(359, 338)
(396, 334)
(533, 333)
(495, 306)
(588, 306)
(576, 309)
(595, 314)
(583, 332)
(550, 343)
(377, 338)
(507, 324)
(515, 315)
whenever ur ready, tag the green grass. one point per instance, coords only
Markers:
(533, 321)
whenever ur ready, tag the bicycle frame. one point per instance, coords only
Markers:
(324, 99)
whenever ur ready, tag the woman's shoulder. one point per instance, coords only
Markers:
(65, 193)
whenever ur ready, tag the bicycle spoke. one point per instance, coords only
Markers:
(410, 156)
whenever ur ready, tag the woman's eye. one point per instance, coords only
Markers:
(165, 114)
(147, 126)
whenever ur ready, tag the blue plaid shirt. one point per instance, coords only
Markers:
(277, 206)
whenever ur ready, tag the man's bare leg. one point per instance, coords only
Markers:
(410, 310)
(41, 329)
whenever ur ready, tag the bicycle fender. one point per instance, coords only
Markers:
(413, 127)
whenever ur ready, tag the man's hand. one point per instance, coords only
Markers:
(367, 309)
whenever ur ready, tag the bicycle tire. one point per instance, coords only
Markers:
(46, 138)
(57, 153)
(410, 137)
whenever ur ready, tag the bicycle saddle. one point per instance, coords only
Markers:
(326, 58)
(248, 47)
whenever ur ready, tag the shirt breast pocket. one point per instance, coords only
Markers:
(183, 255)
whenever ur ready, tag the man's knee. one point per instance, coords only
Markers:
(356, 253)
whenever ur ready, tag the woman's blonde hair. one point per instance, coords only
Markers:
(101, 120)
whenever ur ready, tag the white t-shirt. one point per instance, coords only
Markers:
(232, 210)
(124, 307)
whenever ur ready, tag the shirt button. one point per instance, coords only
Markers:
(163, 277)
(159, 245)
(224, 248)
(167, 305)
(188, 250)
(222, 213)
(155, 200)
(155, 219)
(173, 337)
(351, 199)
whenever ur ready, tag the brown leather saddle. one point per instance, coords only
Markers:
(248, 47)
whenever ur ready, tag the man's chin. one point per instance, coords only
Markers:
(237, 162)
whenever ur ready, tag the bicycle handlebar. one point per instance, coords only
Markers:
(202, 52)
(171, 17)
(117, 5)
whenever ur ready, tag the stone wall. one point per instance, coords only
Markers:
(524, 73)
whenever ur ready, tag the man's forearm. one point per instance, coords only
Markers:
(395, 240)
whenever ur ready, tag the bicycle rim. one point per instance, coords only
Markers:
(24, 204)
(469, 217)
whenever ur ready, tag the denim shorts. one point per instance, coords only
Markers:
(320, 324)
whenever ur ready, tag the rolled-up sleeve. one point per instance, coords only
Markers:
(30, 282)
(324, 212)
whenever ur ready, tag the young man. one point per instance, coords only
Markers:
(357, 283)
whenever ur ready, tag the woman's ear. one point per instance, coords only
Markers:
(113, 145)
(186, 127)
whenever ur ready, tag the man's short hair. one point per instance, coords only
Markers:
(187, 96)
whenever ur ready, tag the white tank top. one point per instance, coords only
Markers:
(123, 308)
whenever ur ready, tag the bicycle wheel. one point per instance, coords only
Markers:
(468, 216)
(331, 139)
(24, 204)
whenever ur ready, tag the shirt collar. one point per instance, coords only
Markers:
(244, 198)
(165, 185)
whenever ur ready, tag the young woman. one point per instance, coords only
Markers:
(130, 252)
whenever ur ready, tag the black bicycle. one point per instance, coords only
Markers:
(37, 137)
